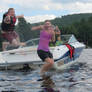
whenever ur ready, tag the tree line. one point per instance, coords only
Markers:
(78, 24)
(81, 29)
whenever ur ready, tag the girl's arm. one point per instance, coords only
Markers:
(41, 27)
(20, 16)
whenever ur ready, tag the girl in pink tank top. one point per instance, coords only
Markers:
(46, 34)
(45, 38)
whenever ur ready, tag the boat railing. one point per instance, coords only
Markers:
(68, 38)
(32, 42)
(64, 38)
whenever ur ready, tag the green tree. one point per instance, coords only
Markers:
(24, 30)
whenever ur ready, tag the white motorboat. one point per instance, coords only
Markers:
(27, 55)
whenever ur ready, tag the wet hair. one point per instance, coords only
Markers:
(47, 20)
(10, 9)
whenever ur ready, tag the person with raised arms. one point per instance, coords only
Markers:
(46, 34)
(8, 26)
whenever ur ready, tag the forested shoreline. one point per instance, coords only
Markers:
(78, 24)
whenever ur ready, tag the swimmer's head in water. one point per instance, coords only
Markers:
(11, 11)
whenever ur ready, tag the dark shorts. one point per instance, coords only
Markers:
(43, 54)
(9, 36)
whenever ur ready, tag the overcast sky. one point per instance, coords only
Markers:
(39, 10)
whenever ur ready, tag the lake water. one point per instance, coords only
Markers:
(76, 79)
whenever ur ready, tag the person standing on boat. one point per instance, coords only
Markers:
(58, 36)
(46, 34)
(7, 26)
(58, 40)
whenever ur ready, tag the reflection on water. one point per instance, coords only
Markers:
(76, 79)
(48, 84)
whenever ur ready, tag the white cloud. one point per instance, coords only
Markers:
(72, 6)
(78, 7)
(34, 4)
(3, 6)
(84, 7)
(39, 18)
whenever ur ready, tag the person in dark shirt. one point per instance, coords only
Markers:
(8, 26)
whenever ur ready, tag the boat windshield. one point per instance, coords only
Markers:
(64, 39)
(68, 39)
(32, 42)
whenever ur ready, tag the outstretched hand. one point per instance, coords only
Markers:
(20, 16)
(7, 19)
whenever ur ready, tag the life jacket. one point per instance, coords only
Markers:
(8, 27)
(71, 50)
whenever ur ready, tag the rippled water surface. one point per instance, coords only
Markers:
(76, 79)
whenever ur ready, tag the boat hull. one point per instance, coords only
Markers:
(16, 59)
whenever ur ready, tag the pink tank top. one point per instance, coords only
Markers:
(45, 38)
